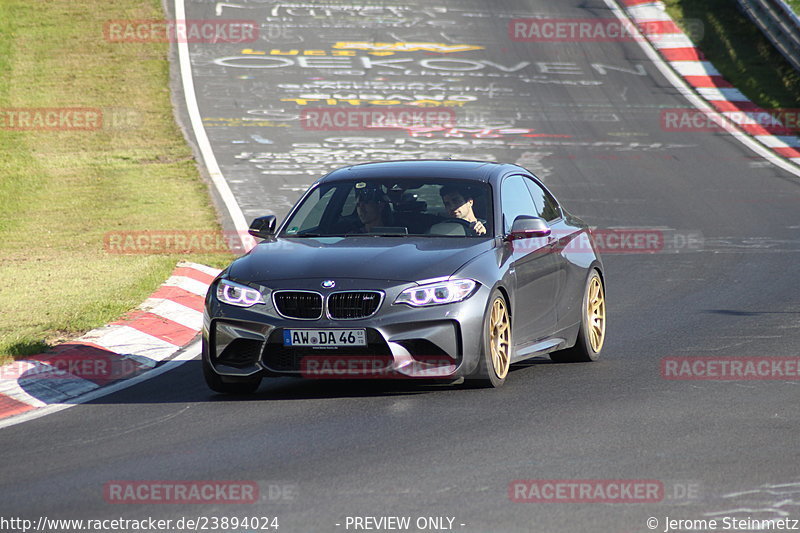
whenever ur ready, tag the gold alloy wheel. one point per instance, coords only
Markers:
(596, 314)
(500, 337)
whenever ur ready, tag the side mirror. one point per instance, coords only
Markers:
(528, 227)
(263, 227)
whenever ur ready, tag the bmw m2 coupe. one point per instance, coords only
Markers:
(408, 269)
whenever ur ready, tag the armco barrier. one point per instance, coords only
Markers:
(779, 24)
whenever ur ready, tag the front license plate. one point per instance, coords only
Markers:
(324, 337)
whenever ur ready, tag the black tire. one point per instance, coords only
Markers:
(586, 349)
(229, 385)
(486, 373)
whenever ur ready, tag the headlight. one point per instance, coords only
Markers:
(443, 292)
(237, 294)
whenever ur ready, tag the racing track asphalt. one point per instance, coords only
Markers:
(376, 449)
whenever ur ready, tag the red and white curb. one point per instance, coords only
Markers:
(707, 82)
(162, 325)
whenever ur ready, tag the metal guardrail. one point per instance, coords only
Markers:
(779, 24)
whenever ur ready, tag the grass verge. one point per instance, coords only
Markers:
(62, 192)
(741, 52)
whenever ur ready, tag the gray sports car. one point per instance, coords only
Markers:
(418, 269)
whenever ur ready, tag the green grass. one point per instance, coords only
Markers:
(795, 5)
(741, 52)
(61, 192)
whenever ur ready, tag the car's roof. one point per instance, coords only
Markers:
(420, 168)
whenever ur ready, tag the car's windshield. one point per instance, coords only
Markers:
(394, 207)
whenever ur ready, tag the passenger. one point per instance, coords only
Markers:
(459, 205)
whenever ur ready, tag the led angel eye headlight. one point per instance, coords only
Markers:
(439, 293)
(237, 294)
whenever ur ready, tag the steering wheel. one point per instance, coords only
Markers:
(467, 225)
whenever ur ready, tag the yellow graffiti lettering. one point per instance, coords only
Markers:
(406, 47)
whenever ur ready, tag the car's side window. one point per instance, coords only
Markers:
(516, 200)
(546, 206)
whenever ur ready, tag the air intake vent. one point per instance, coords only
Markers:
(241, 353)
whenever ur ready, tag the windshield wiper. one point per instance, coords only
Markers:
(298, 235)
(375, 235)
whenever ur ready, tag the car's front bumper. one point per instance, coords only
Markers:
(439, 342)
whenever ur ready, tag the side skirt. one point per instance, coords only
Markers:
(538, 348)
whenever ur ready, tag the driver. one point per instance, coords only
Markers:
(372, 207)
(459, 205)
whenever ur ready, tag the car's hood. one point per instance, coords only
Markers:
(386, 258)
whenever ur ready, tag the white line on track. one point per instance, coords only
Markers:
(193, 350)
(695, 100)
(184, 61)
(189, 353)
(239, 222)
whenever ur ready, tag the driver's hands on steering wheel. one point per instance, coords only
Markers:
(478, 227)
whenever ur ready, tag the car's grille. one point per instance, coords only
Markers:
(282, 359)
(299, 304)
(350, 305)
